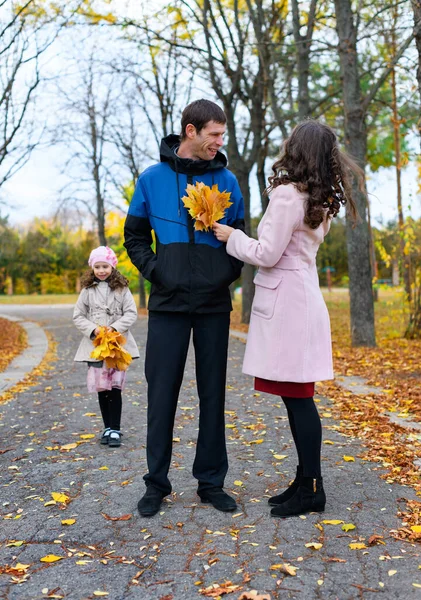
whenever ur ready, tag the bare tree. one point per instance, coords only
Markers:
(20, 50)
(86, 133)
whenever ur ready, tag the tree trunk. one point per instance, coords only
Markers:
(360, 276)
(414, 327)
(303, 45)
(416, 7)
(241, 171)
(261, 177)
(142, 295)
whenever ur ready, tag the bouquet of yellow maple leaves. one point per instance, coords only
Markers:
(206, 205)
(109, 348)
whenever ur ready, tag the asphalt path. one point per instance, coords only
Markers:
(188, 546)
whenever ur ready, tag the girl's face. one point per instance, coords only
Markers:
(102, 270)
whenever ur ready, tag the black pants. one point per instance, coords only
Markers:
(110, 404)
(306, 430)
(166, 352)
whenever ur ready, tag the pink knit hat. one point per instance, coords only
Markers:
(102, 254)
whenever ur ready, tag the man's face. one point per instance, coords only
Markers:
(206, 143)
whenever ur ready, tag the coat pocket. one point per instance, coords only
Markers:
(265, 295)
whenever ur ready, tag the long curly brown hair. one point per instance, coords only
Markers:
(116, 280)
(311, 160)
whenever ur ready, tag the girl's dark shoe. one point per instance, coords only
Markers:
(309, 497)
(114, 438)
(104, 437)
(289, 492)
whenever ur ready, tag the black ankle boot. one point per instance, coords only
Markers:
(309, 497)
(289, 492)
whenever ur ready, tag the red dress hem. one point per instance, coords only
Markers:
(288, 389)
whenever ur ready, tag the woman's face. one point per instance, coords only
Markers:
(102, 270)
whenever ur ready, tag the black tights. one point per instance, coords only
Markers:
(306, 430)
(110, 405)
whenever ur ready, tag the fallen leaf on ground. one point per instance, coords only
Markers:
(122, 518)
(357, 546)
(71, 446)
(50, 558)
(59, 497)
(332, 522)
(285, 568)
(254, 595)
(348, 527)
(314, 545)
(215, 590)
(375, 539)
(68, 521)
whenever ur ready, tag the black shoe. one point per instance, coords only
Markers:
(219, 499)
(289, 492)
(309, 497)
(114, 438)
(103, 440)
(151, 502)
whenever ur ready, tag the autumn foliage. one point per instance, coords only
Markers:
(109, 347)
(206, 205)
(12, 342)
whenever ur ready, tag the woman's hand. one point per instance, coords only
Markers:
(222, 232)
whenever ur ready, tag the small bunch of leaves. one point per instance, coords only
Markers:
(206, 205)
(109, 348)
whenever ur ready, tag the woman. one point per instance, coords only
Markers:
(289, 343)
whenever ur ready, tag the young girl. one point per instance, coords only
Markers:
(289, 343)
(105, 300)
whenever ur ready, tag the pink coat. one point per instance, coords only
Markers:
(289, 335)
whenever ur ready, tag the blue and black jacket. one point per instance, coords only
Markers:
(191, 270)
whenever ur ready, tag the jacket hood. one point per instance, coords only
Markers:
(188, 166)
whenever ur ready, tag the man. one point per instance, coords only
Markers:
(190, 274)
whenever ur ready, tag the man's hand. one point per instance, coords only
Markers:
(222, 232)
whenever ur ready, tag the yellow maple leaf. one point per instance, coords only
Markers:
(68, 521)
(59, 497)
(348, 458)
(347, 527)
(416, 528)
(86, 436)
(357, 546)
(109, 348)
(206, 205)
(71, 446)
(50, 558)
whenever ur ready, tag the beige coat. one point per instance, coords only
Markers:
(100, 305)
